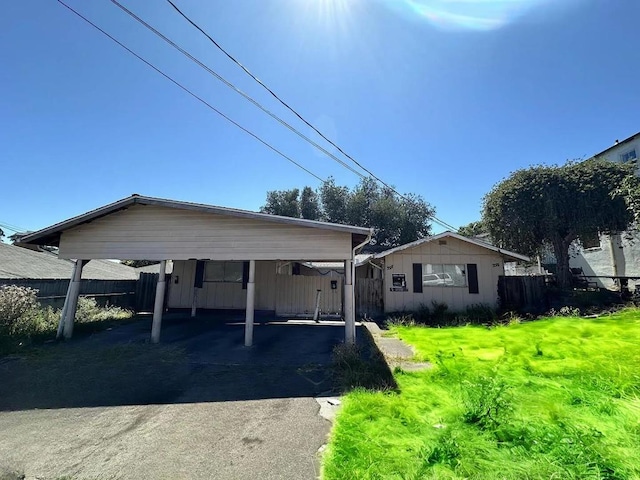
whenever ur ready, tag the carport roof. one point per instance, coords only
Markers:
(51, 235)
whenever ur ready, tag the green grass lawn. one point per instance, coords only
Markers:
(557, 398)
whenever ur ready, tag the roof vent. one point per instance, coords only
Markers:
(442, 242)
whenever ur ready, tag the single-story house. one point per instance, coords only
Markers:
(445, 268)
(222, 257)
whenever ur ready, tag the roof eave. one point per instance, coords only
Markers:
(51, 235)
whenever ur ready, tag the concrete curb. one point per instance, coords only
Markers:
(396, 353)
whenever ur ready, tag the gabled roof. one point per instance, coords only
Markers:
(18, 262)
(616, 145)
(155, 268)
(506, 253)
(51, 235)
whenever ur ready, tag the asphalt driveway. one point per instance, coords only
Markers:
(200, 405)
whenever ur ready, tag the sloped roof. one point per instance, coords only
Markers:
(155, 268)
(506, 253)
(18, 262)
(616, 145)
(51, 235)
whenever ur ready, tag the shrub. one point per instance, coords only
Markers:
(400, 320)
(565, 311)
(89, 311)
(17, 308)
(480, 313)
(485, 400)
(439, 311)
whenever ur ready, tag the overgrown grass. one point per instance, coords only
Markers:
(554, 398)
(24, 321)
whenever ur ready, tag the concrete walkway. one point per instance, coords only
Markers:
(396, 352)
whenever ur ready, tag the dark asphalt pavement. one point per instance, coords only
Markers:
(199, 405)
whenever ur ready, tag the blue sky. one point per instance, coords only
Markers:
(439, 98)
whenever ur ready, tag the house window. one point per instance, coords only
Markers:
(628, 156)
(590, 241)
(444, 275)
(228, 272)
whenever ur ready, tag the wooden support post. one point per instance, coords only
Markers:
(65, 307)
(251, 296)
(72, 299)
(194, 302)
(159, 304)
(316, 313)
(349, 314)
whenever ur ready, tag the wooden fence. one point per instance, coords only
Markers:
(52, 292)
(296, 295)
(523, 293)
(369, 299)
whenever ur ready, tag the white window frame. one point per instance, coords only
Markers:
(626, 156)
(438, 277)
(228, 274)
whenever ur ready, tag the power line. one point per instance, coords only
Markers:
(12, 228)
(435, 219)
(292, 110)
(175, 82)
(234, 88)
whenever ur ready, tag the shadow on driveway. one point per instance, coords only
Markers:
(198, 360)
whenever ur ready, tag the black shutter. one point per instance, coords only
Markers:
(199, 279)
(245, 275)
(295, 269)
(417, 278)
(472, 277)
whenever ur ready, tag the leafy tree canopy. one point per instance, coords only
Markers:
(395, 220)
(139, 263)
(473, 229)
(557, 205)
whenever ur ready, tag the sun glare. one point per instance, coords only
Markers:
(479, 15)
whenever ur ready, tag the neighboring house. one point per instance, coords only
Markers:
(21, 263)
(105, 280)
(611, 255)
(446, 268)
(155, 268)
(223, 258)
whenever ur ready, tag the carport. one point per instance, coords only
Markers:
(147, 228)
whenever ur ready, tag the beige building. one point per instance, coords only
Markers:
(446, 268)
(223, 258)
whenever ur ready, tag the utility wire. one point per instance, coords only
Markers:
(236, 89)
(175, 82)
(292, 110)
(12, 228)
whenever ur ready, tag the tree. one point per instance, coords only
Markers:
(556, 206)
(139, 263)
(309, 204)
(334, 202)
(473, 229)
(394, 219)
(1, 233)
(283, 202)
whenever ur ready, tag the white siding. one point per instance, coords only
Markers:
(490, 267)
(615, 153)
(296, 294)
(220, 295)
(623, 248)
(144, 232)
